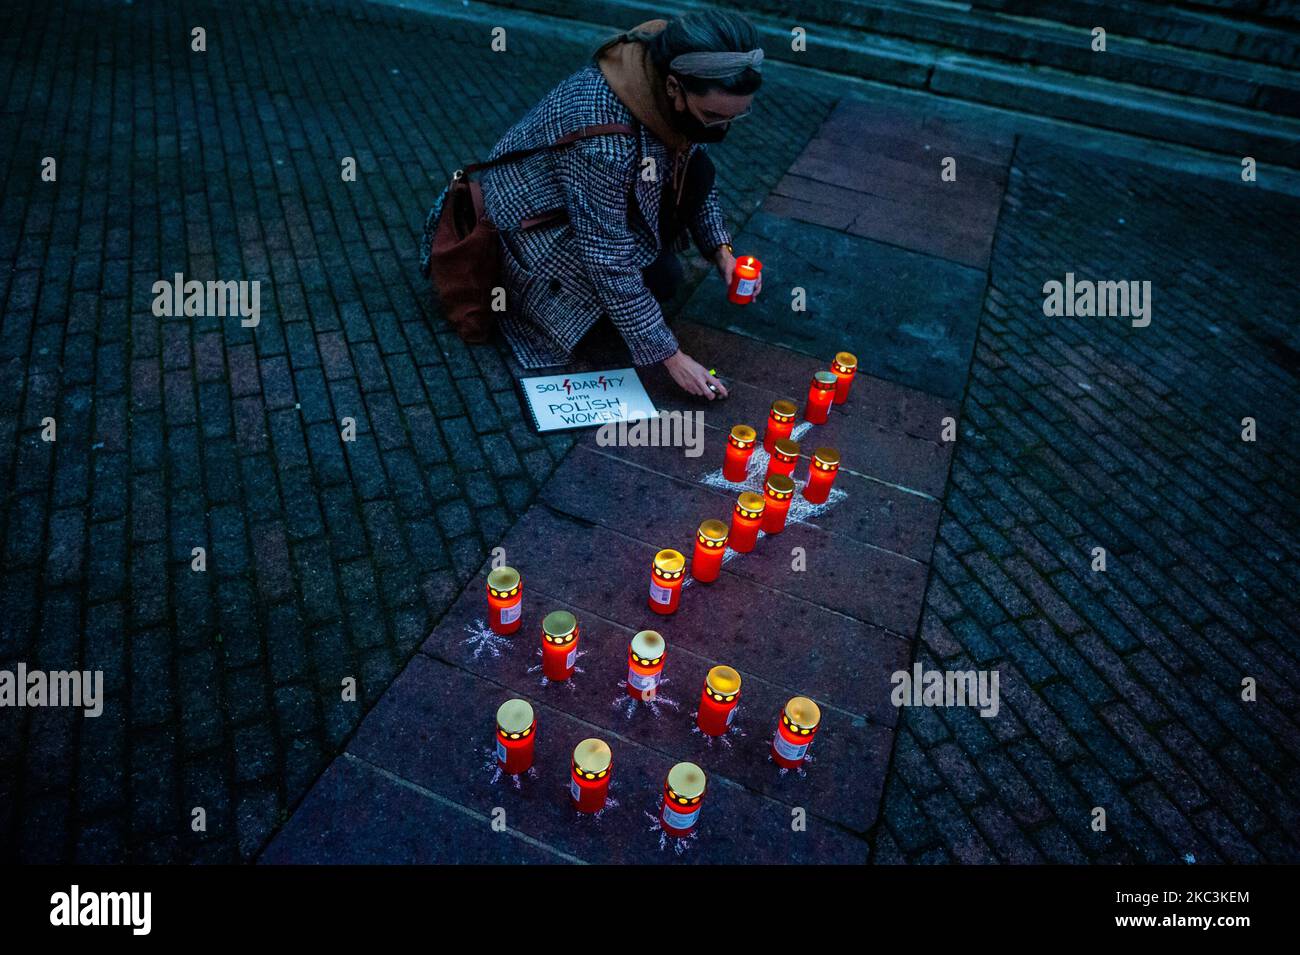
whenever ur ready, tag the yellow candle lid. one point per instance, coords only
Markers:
(686, 780)
(559, 623)
(713, 530)
(669, 561)
(749, 502)
(723, 680)
(803, 712)
(592, 756)
(503, 580)
(743, 433)
(649, 644)
(780, 484)
(515, 716)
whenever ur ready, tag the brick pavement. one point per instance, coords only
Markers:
(1120, 689)
(325, 559)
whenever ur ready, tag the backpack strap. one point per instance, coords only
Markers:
(587, 132)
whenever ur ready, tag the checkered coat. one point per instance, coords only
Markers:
(561, 278)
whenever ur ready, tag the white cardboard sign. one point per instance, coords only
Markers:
(586, 400)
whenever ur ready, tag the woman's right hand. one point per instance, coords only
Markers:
(694, 378)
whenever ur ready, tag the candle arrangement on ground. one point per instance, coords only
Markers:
(821, 395)
(740, 447)
(821, 475)
(516, 736)
(744, 280)
(645, 664)
(559, 645)
(844, 367)
(785, 455)
(683, 793)
(593, 764)
(780, 422)
(795, 732)
(505, 595)
(718, 701)
(667, 574)
(710, 545)
(776, 503)
(746, 520)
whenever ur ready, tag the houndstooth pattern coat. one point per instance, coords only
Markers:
(561, 278)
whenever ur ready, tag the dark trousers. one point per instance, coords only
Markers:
(664, 274)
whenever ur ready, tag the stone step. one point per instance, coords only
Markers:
(1064, 46)
(1274, 41)
(1206, 124)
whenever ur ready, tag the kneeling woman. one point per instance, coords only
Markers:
(592, 229)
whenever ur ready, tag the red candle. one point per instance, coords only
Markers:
(821, 475)
(776, 501)
(784, 457)
(666, 577)
(710, 545)
(589, 780)
(719, 700)
(740, 445)
(645, 664)
(505, 600)
(821, 394)
(516, 736)
(780, 422)
(559, 645)
(795, 732)
(746, 520)
(683, 791)
(744, 280)
(845, 366)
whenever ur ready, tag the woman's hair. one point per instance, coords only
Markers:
(707, 31)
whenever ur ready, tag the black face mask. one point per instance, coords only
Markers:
(684, 122)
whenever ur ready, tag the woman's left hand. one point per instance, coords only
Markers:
(726, 263)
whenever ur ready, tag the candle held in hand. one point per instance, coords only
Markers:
(821, 395)
(505, 596)
(710, 545)
(744, 280)
(821, 475)
(740, 446)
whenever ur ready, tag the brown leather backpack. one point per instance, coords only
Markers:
(462, 255)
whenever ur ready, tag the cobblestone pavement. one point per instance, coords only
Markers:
(1120, 689)
(324, 560)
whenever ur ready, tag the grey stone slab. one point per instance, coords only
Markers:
(910, 318)
(358, 815)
